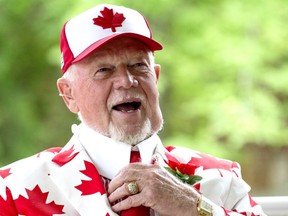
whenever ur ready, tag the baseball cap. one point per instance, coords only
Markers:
(89, 30)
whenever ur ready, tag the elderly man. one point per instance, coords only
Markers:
(115, 163)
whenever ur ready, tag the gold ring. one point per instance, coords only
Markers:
(133, 188)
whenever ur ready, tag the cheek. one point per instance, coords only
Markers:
(149, 84)
(92, 97)
(99, 96)
(152, 95)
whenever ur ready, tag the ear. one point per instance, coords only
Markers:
(157, 69)
(66, 92)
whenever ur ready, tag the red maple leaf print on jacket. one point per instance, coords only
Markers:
(36, 204)
(95, 183)
(207, 161)
(65, 156)
(7, 205)
(210, 162)
(4, 173)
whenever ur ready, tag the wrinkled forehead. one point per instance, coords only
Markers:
(121, 47)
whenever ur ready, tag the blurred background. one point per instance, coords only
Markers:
(223, 86)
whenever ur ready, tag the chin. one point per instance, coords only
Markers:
(132, 138)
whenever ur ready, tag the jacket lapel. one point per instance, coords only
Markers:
(79, 182)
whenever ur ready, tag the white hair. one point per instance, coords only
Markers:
(70, 73)
(118, 134)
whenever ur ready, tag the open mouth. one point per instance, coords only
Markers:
(127, 107)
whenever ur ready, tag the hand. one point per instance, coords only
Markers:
(158, 190)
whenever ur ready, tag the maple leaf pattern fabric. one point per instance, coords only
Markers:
(36, 204)
(7, 199)
(220, 178)
(52, 150)
(64, 181)
(204, 161)
(27, 187)
(65, 156)
(88, 187)
(7, 207)
(4, 173)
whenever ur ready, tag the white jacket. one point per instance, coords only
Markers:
(68, 180)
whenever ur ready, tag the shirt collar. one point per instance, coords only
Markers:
(110, 156)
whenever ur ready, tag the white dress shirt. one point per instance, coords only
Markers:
(110, 156)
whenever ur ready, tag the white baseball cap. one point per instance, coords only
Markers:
(86, 32)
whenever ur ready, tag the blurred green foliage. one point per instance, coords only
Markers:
(223, 83)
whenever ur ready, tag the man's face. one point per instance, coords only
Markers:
(114, 91)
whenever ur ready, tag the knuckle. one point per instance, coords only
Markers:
(157, 166)
(131, 201)
(124, 173)
(150, 193)
(154, 175)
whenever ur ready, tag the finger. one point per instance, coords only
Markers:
(132, 172)
(118, 180)
(129, 202)
(119, 193)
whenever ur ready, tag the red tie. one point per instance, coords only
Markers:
(140, 210)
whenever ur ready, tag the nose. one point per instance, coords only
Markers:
(124, 79)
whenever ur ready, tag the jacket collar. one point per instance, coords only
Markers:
(110, 156)
(74, 180)
(83, 150)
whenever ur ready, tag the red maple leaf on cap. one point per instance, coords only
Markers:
(94, 185)
(36, 204)
(109, 19)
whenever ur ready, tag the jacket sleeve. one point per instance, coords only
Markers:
(222, 184)
(235, 200)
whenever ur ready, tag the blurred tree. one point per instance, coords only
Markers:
(31, 113)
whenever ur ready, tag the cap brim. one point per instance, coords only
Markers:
(153, 45)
